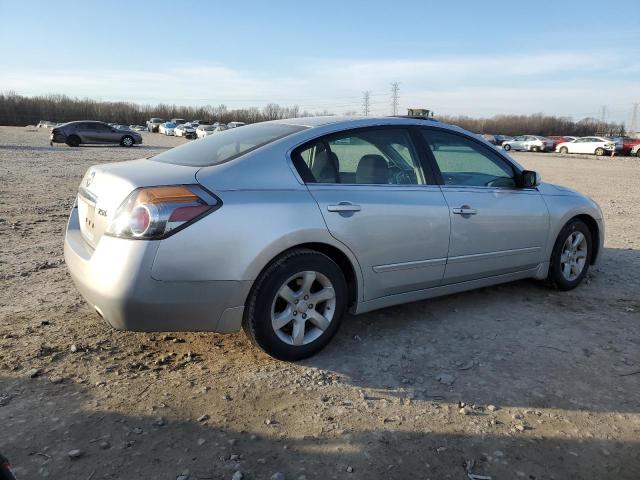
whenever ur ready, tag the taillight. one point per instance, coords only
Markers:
(157, 212)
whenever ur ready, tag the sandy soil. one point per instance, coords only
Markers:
(561, 369)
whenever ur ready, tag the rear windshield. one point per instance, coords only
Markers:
(227, 145)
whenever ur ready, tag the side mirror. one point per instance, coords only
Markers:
(530, 179)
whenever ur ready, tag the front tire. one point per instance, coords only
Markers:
(127, 141)
(599, 151)
(296, 305)
(507, 147)
(73, 141)
(564, 150)
(571, 256)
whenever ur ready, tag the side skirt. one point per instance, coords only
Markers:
(417, 295)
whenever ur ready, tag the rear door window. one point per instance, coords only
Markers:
(370, 156)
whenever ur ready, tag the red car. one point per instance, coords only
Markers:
(560, 139)
(628, 143)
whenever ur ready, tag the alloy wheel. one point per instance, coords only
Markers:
(574, 256)
(303, 308)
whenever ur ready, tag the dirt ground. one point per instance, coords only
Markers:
(550, 380)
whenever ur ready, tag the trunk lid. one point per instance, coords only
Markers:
(105, 187)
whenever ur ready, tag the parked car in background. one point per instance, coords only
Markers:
(185, 130)
(557, 139)
(627, 145)
(206, 130)
(635, 150)
(530, 143)
(500, 139)
(489, 138)
(200, 122)
(167, 128)
(589, 145)
(93, 132)
(182, 226)
(138, 128)
(178, 121)
(235, 124)
(46, 124)
(153, 125)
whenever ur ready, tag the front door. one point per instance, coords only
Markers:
(376, 200)
(496, 227)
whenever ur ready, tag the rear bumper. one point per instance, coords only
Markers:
(115, 279)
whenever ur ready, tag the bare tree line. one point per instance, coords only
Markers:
(536, 124)
(20, 110)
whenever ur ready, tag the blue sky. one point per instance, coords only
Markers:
(466, 58)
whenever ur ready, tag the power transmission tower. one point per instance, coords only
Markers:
(366, 102)
(395, 89)
(634, 118)
(603, 113)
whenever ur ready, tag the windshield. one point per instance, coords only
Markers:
(170, 125)
(227, 145)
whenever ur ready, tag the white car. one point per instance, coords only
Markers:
(206, 130)
(235, 124)
(590, 145)
(167, 128)
(530, 143)
(185, 130)
(636, 150)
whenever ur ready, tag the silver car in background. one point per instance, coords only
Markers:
(530, 143)
(281, 227)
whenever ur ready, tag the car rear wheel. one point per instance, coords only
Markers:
(127, 141)
(599, 151)
(571, 256)
(507, 147)
(296, 305)
(564, 150)
(638, 153)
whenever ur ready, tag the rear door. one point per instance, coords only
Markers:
(496, 227)
(376, 199)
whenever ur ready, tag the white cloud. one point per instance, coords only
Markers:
(560, 83)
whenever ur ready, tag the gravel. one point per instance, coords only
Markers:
(374, 404)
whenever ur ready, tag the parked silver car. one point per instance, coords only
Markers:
(92, 132)
(280, 227)
(531, 143)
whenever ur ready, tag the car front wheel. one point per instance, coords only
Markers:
(571, 256)
(127, 141)
(599, 151)
(564, 150)
(296, 305)
(507, 147)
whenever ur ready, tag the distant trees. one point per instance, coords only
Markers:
(21, 110)
(536, 124)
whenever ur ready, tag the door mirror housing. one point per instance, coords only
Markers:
(530, 179)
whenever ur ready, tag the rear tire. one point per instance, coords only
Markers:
(127, 141)
(507, 147)
(571, 256)
(73, 141)
(638, 153)
(599, 151)
(564, 150)
(294, 328)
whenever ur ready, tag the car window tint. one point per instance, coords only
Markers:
(372, 156)
(466, 163)
(102, 128)
(88, 126)
(227, 145)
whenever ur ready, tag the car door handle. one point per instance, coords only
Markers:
(344, 207)
(464, 210)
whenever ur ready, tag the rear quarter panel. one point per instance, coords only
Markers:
(238, 240)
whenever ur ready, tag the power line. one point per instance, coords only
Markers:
(366, 102)
(395, 89)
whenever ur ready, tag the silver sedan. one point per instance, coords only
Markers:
(281, 227)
